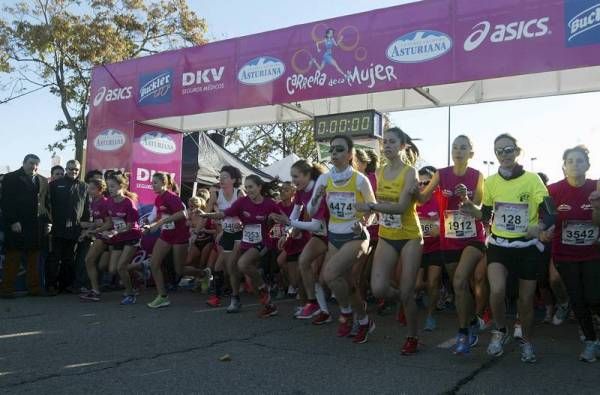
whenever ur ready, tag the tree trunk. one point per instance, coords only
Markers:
(79, 139)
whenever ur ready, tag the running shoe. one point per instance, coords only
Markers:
(518, 330)
(401, 318)
(268, 310)
(487, 318)
(462, 345)
(310, 310)
(127, 300)
(589, 352)
(84, 290)
(410, 346)
(91, 296)
(264, 296)
(561, 314)
(547, 318)
(345, 326)
(235, 305)
(297, 311)
(159, 301)
(363, 332)
(134, 291)
(322, 318)
(430, 324)
(496, 346)
(355, 327)
(213, 301)
(527, 353)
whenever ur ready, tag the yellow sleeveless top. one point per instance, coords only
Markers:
(395, 226)
(341, 202)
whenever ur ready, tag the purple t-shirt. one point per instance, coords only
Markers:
(177, 232)
(123, 213)
(254, 218)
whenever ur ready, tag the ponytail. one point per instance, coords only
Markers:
(314, 169)
(411, 151)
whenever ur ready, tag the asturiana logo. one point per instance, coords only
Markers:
(506, 32)
(419, 46)
(158, 143)
(586, 20)
(261, 70)
(156, 88)
(110, 140)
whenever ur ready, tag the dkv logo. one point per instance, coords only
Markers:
(261, 70)
(110, 140)
(158, 143)
(506, 32)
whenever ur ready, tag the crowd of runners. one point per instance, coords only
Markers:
(354, 233)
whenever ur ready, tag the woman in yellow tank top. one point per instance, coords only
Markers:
(400, 239)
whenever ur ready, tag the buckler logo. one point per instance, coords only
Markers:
(586, 20)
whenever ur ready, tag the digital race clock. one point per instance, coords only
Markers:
(351, 124)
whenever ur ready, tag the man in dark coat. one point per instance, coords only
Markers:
(68, 206)
(23, 196)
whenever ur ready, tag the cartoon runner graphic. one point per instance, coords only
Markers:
(329, 42)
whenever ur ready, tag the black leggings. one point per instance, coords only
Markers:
(581, 280)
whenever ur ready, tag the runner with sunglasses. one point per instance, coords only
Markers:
(462, 237)
(521, 208)
(344, 189)
(575, 244)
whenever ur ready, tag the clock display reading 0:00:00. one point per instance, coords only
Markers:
(356, 124)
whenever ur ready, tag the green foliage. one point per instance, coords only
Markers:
(54, 45)
(262, 145)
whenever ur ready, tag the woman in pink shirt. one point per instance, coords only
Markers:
(174, 234)
(253, 210)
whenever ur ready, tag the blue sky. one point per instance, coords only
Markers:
(545, 127)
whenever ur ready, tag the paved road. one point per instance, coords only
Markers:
(59, 345)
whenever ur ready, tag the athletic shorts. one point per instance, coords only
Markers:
(453, 256)
(118, 246)
(200, 244)
(228, 240)
(260, 247)
(398, 245)
(339, 239)
(582, 277)
(434, 258)
(524, 262)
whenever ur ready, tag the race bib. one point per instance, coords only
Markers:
(459, 226)
(393, 221)
(342, 205)
(168, 225)
(511, 217)
(252, 234)
(118, 224)
(427, 226)
(231, 226)
(579, 233)
(277, 231)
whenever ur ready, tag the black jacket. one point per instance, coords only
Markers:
(68, 203)
(22, 201)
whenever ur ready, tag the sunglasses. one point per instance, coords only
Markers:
(424, 183)
(337, 148)
(506, 150)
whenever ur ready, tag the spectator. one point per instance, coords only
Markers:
(68, 207)
(23, 194)
(56, 172)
